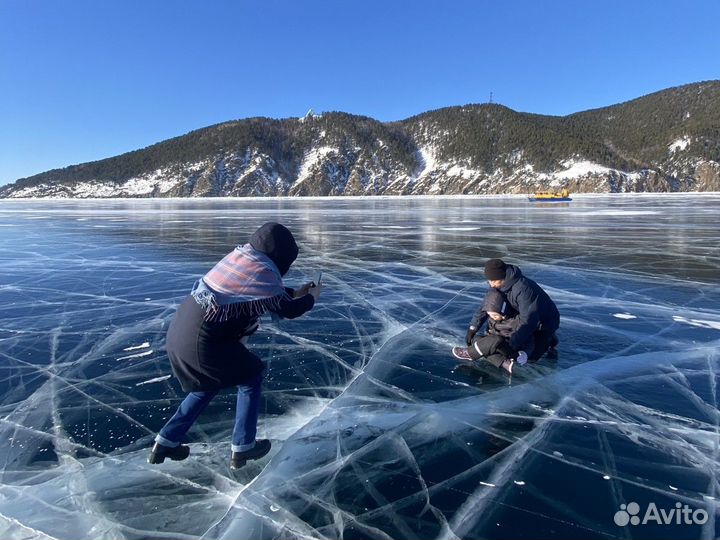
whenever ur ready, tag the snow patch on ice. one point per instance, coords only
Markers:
(139, 355)
(136, 347)
(700, 323)
(156, 379)
(624, 316)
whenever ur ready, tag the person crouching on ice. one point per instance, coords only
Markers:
(206, 340)
(493, 346)
(537, 315)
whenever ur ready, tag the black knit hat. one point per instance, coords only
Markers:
(495, 269)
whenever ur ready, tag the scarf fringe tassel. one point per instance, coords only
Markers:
(250, 308)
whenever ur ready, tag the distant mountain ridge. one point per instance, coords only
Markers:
(666, 141)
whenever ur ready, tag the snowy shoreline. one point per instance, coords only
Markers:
(366, 197)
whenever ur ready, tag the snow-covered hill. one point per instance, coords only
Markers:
(668, 141)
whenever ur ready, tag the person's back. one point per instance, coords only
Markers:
(206, 341)
(538, 315)
(208, 354)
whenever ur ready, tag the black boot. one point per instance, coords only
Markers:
(552, 352)
(261, 448)
(160, 452)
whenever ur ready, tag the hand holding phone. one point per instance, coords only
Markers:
(316, 287)
(305, 289)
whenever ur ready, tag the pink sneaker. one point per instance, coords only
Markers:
(461, 353)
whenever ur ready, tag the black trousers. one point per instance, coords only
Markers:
(492, 348)
(542, 339)
(496, 349)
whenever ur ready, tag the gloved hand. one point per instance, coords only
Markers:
(470, 335)
(522, 358)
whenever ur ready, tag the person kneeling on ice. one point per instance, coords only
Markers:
(206, 340)
(493, 346)
(537, 315)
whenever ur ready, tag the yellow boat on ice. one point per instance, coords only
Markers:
(551, 196)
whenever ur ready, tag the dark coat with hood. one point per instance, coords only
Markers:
(495, 301)
(536, 310)
(208, 356)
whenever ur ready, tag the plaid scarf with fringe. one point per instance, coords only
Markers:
(245, 282)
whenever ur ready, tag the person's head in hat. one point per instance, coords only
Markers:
(495, 272)
(495, 305)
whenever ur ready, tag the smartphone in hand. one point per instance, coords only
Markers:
(318, 280)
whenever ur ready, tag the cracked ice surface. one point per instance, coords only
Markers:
(376, 433)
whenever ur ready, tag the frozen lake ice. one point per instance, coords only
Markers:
(376, 432)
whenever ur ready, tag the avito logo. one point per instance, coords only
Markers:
(680, 515)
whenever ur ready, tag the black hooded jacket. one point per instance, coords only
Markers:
(208, 356)
(535, 308)
(495, 301)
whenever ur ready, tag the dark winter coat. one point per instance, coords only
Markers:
(536, 310)
(504, 328)
(494, 344)
(495, 301)
(208, 355)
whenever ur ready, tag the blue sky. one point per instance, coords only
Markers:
(84, 80)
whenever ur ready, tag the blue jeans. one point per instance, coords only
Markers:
(247, 409)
